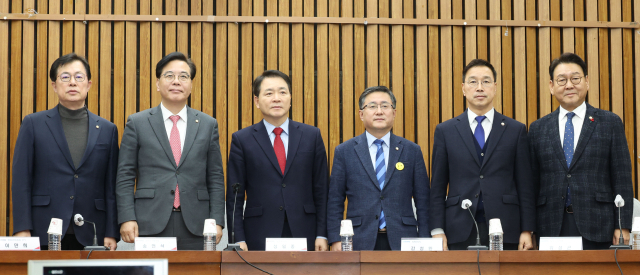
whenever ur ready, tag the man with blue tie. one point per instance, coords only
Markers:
(580, 162)
(483, 156)
(378, 172)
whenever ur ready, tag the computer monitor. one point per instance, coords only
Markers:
(99, 267)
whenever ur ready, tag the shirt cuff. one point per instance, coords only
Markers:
(437, 231)
(320, 237)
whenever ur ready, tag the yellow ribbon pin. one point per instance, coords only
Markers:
(399, 166)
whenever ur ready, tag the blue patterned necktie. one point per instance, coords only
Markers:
(567, 147)
(479, 133)
(381, 172)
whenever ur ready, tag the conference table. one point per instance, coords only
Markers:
(362, 262)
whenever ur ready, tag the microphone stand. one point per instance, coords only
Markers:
(95, 245)
(233, 245)
(620, 244)
(478, 245)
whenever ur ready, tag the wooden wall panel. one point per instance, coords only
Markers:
(635, 157)
(397, 69)
(246, 57)
(349, 98)
(333, 104)
(322, 73)
(4, 123)
(118, 68)
(15, 88)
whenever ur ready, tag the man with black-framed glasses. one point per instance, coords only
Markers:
(580, 162)
(64, 164)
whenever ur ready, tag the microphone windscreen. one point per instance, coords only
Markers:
(619, 201)
(78, 220)
(466, 204)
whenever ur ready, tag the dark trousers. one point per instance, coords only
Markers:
(382, 242)
(484, 239)
(69, 242)
(177, 228)
(286, 230)
(570, 229)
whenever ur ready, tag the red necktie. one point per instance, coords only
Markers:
(278, 146)
(174, 140)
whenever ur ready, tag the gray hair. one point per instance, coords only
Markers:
(374, 89)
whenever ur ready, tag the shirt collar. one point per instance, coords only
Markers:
(472, 116)
(580, 111)
(386, 138)
(270, 127)
(166, 113)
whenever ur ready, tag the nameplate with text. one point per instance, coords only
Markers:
(561, 243)
(286, 244)
(156, 244)
(421, 244)
(20, 243)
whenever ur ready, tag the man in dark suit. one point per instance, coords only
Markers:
(282, 166)
(483, 156)
(378, 172)
(580, 162)
(173, 152)
(64, 164)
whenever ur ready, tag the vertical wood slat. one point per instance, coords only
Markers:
(196, 55)
(208, 80)
(42, 71)
(359, 63)
(309, 65)
(507, 62)
(397, 69)
(232, 73)
(636, 157)
(80, 28)
(458, 65)
(157, 36)
(520, 64)
(579, 15)
(556, 41)
(592, 59)
(322, 73)
(532, 83)
(297, 69)
(93, 57)
(617, 104)
(544, 59)
(348, 92)
(145, 58)
(482, 38)
(105, 62)
(422, 83)
(15, 63)
(372, 45)
(272, 36)
(470, 31)
(258, 43)
(54, 49)
(495, 40)
(28, 40)
(67, 27)
(221, 102)
(247, 66)
(182, 34)
(4, 126)
(603, 52)
(119, 80)
(170, 39)
(434, 78)
(627, 53)
(333, 134)
(567, 33)
(383, 47)
(131, 57)
(283, 38)
(409, 79)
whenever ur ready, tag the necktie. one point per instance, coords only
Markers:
(567, 146)
(174, 140)
(479, 133)
(381, 172)
(278, 146)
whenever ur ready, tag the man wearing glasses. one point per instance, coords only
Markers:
(580, 162)
(483, 156)
(64, 164)
(378, 173)
(173, 153)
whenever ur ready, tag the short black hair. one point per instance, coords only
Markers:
(255, 87)
(64, 60)
(175, 56)
(374, 89)
(479, 63)
(567, 58)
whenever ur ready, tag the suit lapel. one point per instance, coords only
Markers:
(467, 136)
(394, 156)
(262, 137)
(294, 140)
(497, 129)
(554, 126)
(54, 123)
(157, 124)
(585, 134)
(192, 132)
(362, 150)
(94, 132)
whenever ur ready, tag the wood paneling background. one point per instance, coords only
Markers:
(330, 64)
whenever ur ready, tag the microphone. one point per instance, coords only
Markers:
(79, 221)
(466, 204)
(619, 202)
(233, 245)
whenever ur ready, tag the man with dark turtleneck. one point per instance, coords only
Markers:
(65, 164)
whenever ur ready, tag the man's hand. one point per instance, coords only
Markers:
(219, 234)
(444, 241)
(23, 234)
(337, 246)
(110, 243)
(129, 231)
(322, 244)
(616, 236)
(243, 246)
(525, 241)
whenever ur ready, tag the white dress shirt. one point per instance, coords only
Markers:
(181, 124)
(577, 120)
(284, 136)
(373, 149)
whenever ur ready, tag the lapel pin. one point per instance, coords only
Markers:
(196, 121)
(397, 149)
(502, 123)
(97, 126)
(591, 118)
(399, 166)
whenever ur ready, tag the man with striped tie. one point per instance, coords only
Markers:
(378, 173)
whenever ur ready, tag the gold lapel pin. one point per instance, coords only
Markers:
(196, 121)
(502, 123)
(97, 126)
(399, 166)
(397, 149)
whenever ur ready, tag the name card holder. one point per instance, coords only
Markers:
(561, 243)
(286, 244)
(156, 244)
(421, 244)
(20, 243)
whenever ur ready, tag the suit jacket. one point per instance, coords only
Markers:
(46, 183)
(301, 192)
(353, 176)
(503, 177)
(600, 170)
(146, 155)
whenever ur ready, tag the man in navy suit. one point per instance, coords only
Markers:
(282, 166)
(580, 162)
(378, 172)
(65, 163)
(483, 156)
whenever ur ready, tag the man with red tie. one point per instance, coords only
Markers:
(282, 166)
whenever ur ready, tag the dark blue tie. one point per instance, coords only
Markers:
(381, 173)
(479, 133)
(567, 146)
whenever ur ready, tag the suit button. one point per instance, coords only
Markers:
(376, 217)
(178, 172)
(75, 176)
(482, 154)
(563, 197)
(381, 198)
(568, 175)
(71, 197)
(477, 195)
(481, 176)
(284, 185)
(173, 192)
(281, 208)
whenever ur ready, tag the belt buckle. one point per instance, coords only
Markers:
(383, 230)
(176, 209)
(569, 209)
